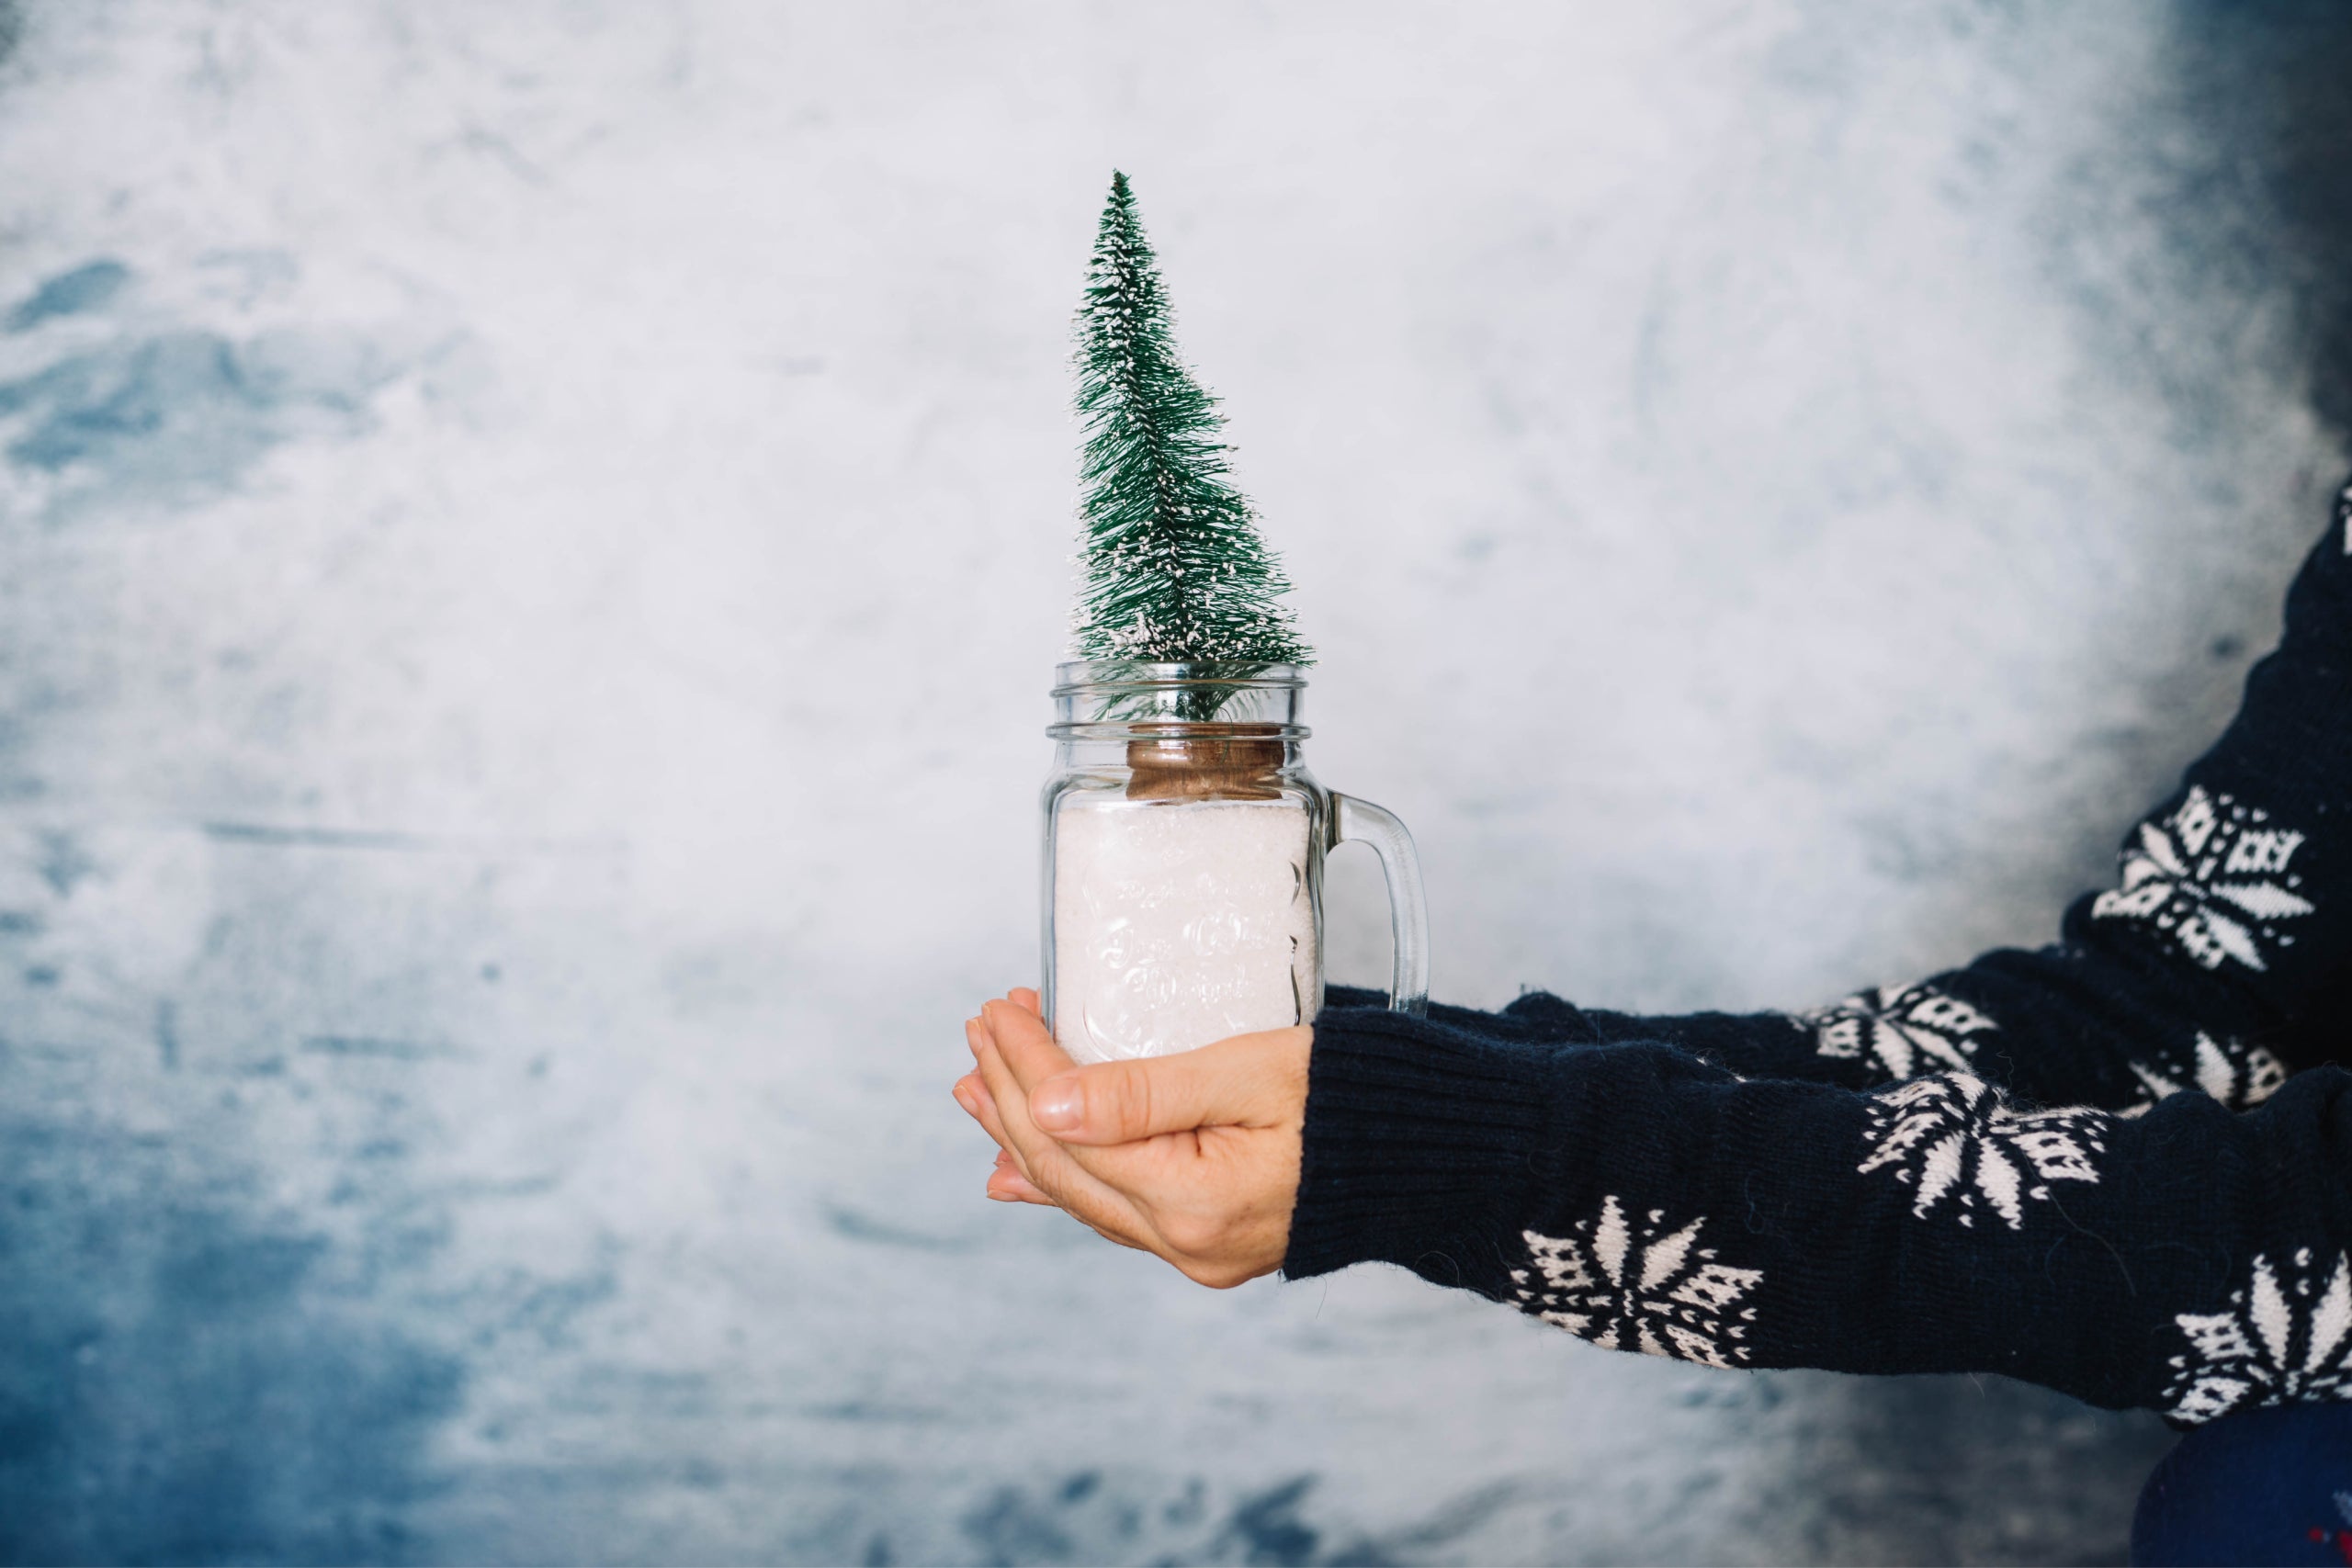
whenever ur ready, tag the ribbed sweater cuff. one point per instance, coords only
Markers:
(1418, 1145)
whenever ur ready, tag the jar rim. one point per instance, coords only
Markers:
(1097, 674)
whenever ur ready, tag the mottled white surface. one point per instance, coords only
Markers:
(532, 542)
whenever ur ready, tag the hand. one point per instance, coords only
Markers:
(1193, 1158)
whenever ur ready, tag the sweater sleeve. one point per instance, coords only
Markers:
(2190, 1259)
(2230, 921)
(1993, 1169)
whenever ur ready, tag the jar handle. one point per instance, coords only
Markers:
(1360, 821)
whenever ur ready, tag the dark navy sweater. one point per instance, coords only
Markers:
(2121, 1165)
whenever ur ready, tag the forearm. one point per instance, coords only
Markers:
(1646, 1200)
(2200, 970)
(1754, 1044)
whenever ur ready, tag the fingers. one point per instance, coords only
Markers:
(1027, 1046)
(972, 1094)
(1250, 1080)
(1023, 997)
(1017, 1039)
(1006, 1184)
(1046, 1165)
(1193, 1157)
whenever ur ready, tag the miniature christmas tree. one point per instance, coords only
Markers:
(1174, 569)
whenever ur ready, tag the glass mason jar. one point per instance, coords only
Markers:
(1184, 865)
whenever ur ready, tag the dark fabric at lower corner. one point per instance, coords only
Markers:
(2267, 1486)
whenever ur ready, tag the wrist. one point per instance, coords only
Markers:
(1416, 1148)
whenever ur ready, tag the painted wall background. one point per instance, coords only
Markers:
(532, 539)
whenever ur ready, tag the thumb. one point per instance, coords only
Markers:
(1232, 1082)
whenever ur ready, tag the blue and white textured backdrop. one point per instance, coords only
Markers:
(532, 539)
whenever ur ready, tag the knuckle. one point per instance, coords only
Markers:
(1045, 1176)
(1130, 1099)
(1192, 1234)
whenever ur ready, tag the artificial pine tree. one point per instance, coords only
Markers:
(1175, 571)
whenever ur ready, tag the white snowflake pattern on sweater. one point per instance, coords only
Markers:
(2211, 880)
(2282, 1340)
(1954, 1139)
(1916, 1029)
(2238, 1074)
(1639, 1287)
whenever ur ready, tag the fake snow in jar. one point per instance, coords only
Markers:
(1184, 861)
(1180, 922)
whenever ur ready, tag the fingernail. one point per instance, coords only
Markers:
(963, 1096)
(1056, 1107)
(1004, 1198)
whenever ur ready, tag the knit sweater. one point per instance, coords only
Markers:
(2119, 1164)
